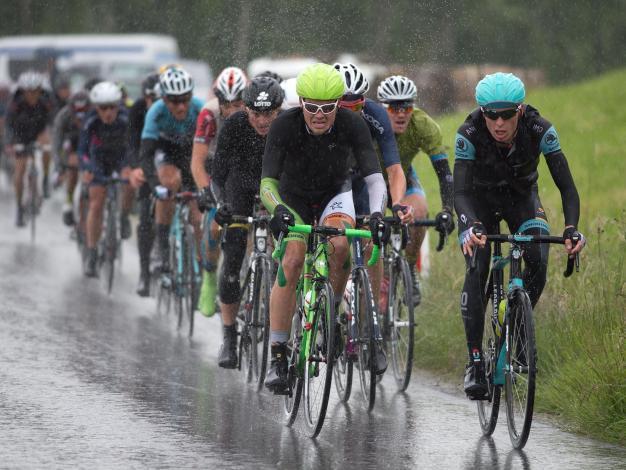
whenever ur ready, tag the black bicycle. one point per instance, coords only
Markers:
(509, 348)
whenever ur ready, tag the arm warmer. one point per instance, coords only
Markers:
(463, 186)
(445, 183)
(377, 192)
(559, 169)
(146, 159)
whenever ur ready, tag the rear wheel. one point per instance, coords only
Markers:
(110, 246)
(191, 277)
(401, 322)
(522, 368)
(318, 373)
(363, 312)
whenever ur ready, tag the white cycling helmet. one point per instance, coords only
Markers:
(291, 96)
(175, 81)
(230, 84)
(105, 93)
(396, 88)
(30, 80)
(356, 83)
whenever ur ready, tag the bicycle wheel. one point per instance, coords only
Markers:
(401, 322)
(177, 267)
(247, 339)
(363, 312)
(261, 316)
(191, 277)
(522, 370)
(110, 246)
(488, 409)
(291, 401)
(318, 373)
(344, 366)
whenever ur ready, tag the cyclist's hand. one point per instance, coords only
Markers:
(87, 177)
(136, 178)
(206, 199)
(445, 222)
(470, 240)
(281, 220)
(380, 230)
(568, 234)
(403, 212)
(223, 215)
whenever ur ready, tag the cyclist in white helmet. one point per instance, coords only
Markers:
(165, 151)
(415, 130)
(228, 89)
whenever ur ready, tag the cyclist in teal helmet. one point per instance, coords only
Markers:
(309, 153)
(497, 153)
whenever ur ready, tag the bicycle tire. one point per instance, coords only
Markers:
(110, 245)
(191, 277)
(344, 366)
(318, 374)
(363, 311)
(522, 368)
(177, 267)
(262, 316)
(488, 410)
(401, 321)
(246, 359)
(291, 401)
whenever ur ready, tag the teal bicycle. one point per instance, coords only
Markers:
(314, 331)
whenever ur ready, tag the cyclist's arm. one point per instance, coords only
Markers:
(58, 131)
(442, 169)
(205, 132)
(84, 162)
(369, 167)
(146, 159)
(465, 155)
(226, 142)
(397, 182)
(559, 169)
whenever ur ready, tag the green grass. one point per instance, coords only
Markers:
(580, 321)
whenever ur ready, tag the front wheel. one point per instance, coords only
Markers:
(488, 409)
(318, 367)
(363, 311)
(261, 315)
(522, 368)
(401, 322)
(191, 277)
(344, 366)
(294, 376)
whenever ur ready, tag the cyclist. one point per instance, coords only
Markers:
(380, 128)
(28, 117)
(415, 130)
(166, 142)
(495, 173)
(65, 133)
(145, 229)
(306, 176)
(237, 176)
(228, 89)
(103, 150)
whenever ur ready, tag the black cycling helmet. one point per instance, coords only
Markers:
(269, 73)
(148, 85)
(263, 94)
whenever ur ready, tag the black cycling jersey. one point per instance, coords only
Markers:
(136, 118)
(104, 145)
(312, 167)
(25, 122)
(482, 164)
(237, 163)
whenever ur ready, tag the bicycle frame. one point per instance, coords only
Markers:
(181, 217)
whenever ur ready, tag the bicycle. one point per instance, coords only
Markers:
(509, 349)
(360, 328)
(182, 285)
(33, 205)
(311, 350)
(253, 315)
(109, 246)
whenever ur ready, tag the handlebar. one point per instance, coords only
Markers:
(163, 194)
(279, 250)
(393, 220)
(244, 219)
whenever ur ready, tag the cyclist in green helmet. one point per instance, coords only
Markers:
(309, 152)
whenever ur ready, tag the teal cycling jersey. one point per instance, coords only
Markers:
(160, 124)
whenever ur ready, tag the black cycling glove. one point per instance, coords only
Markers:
(281, 220)
(206, 199)
(223, 215)
(380, 230)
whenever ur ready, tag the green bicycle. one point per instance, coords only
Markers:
(312, 348)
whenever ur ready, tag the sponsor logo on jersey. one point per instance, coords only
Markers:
(537, 128)
(336, 205)
(460, 144)
(551, 138)
(374, 122)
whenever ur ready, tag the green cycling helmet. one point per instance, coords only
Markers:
(320, 82)
(500, 90)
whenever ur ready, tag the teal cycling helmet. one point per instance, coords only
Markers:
(320, 82)
(500, 90)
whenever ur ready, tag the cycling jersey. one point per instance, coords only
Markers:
(24, 122)
(237, 163)
(382, 132)
(483, 164)
(66, 128)
(311, 168)
(136, 120)
(103, 148)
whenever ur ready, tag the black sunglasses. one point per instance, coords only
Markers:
(493, 115)
(106, 107)
(179, 99)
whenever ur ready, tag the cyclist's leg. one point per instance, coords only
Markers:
(145, 238)
(43, 140)
(416, 198)
(21, 163)
(97, 193)
(169, 176)
(71, 180)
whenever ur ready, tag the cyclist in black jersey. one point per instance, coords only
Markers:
(495, 177)
(145, 230)
(306, 176)
(237, 176)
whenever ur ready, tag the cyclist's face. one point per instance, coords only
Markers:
(107, 112)
(502, 130)
(231, 107)
(400, 116)
(318, 122)
(32, 96)
(261, 121)
(178, 105)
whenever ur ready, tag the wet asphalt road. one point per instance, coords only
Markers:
(92, 381)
